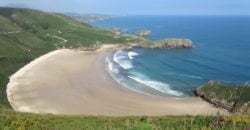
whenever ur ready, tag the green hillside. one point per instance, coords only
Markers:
(27, 34)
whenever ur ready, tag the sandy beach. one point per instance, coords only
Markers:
(70, 82)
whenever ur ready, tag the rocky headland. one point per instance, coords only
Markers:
(143, 42)
(234, 98)
(174, 43)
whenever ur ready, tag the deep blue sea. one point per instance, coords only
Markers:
(222, 53)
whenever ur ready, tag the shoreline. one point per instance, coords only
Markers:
(82, 86)
(22, 70)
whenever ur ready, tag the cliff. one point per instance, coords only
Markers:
(234, 98)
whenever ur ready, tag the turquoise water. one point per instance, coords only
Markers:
(222, 52)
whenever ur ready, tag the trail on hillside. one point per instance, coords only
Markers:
(54, 36)
(12, 32)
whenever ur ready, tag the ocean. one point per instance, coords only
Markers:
(221, 53)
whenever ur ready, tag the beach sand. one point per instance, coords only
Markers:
(69, 82)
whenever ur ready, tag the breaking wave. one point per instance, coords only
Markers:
(111, 66)
(120, 66)
(185, 75)
(122, 58)
(132, 54)
(156, 85)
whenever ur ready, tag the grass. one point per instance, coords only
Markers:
(236, 93)
(13, 120)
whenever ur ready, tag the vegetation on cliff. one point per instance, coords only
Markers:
(234, 98)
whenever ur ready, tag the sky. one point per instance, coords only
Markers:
(139, 7)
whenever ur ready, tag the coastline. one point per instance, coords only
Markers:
(69, 82)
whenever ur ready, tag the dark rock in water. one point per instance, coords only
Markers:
(144, 33)
(234, 98)
(166, 43)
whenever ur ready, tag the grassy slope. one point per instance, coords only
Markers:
(17, 49)
(10, 119)
(38, 37)
(237, 93)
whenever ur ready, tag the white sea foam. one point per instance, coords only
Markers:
(185, 75)
(114, 72)
(159, 86)
(124, 60)
(132, 54)
(111, 66)
(191, 76)
(121, 58)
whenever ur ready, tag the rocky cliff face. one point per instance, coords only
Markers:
(166, 43)
(243, 108)
(234, 98)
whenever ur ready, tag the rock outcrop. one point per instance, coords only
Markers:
(116, 31)
(166, 43)
(144, 33)
(234, 98)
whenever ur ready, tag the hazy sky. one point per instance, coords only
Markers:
(151, 7)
